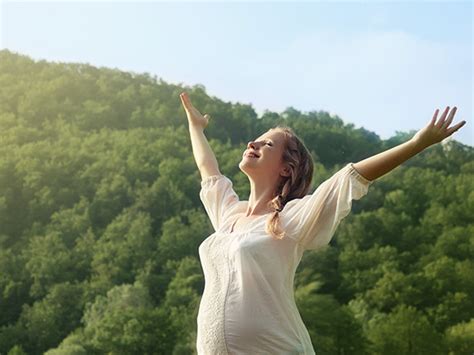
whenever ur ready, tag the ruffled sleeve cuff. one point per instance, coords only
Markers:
(353, 171)
(210, 180)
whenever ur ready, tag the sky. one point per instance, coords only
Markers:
(385, 66)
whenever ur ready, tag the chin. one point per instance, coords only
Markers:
(244, 167)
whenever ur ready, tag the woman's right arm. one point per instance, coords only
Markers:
(203, 155)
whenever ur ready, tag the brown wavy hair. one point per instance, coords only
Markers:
(296, 184)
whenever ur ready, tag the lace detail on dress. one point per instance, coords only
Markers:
(211, 317)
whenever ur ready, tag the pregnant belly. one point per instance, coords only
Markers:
(265, 334)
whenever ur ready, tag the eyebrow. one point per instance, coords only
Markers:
(267, 139)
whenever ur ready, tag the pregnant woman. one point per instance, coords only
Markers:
(249, 262)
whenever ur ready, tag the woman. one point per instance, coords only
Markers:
(249, 263)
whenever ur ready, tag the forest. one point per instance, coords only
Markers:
(100, 221)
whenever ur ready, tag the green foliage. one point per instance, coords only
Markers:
(178, 238)
(100, 222)
(460, 338)
(123, 249)
(332, 327)
(126, 322)
(16, 350)
(49, 320)
(182, 300)
(74, 344)
(404, 331)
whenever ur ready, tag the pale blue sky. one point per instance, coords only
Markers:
(385, 66)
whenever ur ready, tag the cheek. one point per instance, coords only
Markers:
(274, 160)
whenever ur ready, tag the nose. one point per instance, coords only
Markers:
(252, 145)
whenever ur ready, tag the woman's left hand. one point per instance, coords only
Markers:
(435, 132)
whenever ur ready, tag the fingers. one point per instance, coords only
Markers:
(186, 101)
(442, 118)
(433, 120)
(450, 118)
(455, 127)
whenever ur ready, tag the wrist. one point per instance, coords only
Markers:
(195, 126)
(418, 145)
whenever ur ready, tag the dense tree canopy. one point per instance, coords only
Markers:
(100, 222)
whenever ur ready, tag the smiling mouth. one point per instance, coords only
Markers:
(251, 155)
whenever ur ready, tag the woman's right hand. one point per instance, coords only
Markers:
(194, 116)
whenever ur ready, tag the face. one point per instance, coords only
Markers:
(269, 148)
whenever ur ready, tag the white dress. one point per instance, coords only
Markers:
(247, 306)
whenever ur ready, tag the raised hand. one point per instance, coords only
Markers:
(435, 132)
(194, 116)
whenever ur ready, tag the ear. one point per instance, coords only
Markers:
(285, 172)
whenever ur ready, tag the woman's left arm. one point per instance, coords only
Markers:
(380, 164)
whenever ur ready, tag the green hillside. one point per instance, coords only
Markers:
(100, 221)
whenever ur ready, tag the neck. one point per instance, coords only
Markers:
(261, 192)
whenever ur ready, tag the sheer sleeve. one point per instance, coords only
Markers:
(313, 219)
(218, 198)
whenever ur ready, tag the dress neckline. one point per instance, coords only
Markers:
(250, 224)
